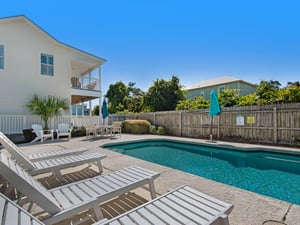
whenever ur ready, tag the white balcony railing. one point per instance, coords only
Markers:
(85, 83)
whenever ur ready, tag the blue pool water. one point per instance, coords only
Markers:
(272, 174)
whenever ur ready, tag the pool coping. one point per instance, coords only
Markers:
(233, 146)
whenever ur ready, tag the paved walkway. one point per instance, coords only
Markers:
(249, 208)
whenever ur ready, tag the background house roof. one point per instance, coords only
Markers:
(217, 81)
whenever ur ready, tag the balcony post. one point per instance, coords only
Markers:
(100, 97)
(90, 107)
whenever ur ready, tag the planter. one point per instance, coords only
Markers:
(28, 135)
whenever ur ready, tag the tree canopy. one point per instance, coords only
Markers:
(267, 92)
(166, 95)
(116, 95)
(270, 92)
(192, 104)
(124, 98)
(163, 95)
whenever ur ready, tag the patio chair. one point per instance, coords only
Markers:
(54, 165)
(64, 130)
(41, 134)
(116, 128)
(90, 129)
(11, 148)
(68, 200)
(180, 206)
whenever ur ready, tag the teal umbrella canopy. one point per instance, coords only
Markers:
(214, 107)
(104, 109)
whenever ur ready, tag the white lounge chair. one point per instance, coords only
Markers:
(180, 206)
(41, 134)
(14, 214)
(54, 165)
(64, 130)
(157, 211)
(11, 148)
(68, 200)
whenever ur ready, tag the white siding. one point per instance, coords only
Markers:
(21, 78)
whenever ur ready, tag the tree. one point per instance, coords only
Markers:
(163, 95)
(293, 84)
(228, 98)
(290, 94)
(267, 92)
(246, 100)
(47, 108)
(192, 104)
(116, 95)
(184, 104)
(95, 111)
(134, 99)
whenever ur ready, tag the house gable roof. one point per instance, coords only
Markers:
(217, 81)
(22, 18)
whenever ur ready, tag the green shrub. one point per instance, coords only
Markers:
(78, 131)
(136, 126)
(161, 130)
(153, 129)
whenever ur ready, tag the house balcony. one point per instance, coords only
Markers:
(84, 89)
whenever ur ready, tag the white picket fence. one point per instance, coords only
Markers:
(15, 124)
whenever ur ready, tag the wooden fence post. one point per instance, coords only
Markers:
(275, 125)
(180, 123)
(218, 127)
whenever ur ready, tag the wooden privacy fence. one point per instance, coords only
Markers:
(277, 124)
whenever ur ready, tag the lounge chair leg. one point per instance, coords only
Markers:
(152, 189)
(9, 190)
(29, 209)
(97, 212)
(100, 167)
(56, 173)
(224, 219)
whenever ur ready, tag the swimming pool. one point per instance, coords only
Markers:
(272, 174)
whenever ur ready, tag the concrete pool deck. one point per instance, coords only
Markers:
(249, 208)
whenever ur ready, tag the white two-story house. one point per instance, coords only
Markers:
(34, 62)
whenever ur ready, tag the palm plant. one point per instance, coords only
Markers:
(47, 108)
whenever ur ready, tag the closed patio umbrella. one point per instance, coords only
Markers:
(104, 110)
(214, 108)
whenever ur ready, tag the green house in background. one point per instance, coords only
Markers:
(204, 88)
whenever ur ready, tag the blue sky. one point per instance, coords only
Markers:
(196, 40)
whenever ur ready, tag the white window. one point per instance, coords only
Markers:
(1, 56)
(47, 65)
(221, 88)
